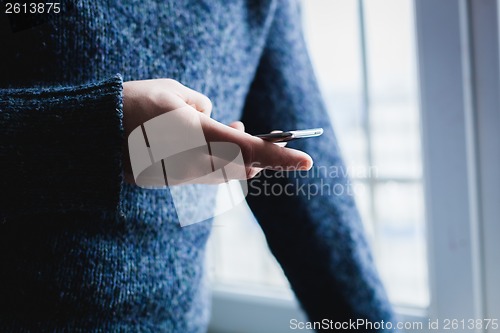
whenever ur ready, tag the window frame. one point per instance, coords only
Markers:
(485, 39)
(458, 58)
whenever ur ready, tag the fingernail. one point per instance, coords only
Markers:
(305, 165)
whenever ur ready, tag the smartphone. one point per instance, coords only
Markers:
(291, 135)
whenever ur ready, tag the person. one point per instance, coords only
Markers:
(82, 248)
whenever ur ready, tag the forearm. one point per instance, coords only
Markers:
(310, 218)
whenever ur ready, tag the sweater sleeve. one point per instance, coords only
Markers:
(60, 149)
(309, 218)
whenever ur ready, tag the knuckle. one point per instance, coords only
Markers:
(207, 103)
(171, 81)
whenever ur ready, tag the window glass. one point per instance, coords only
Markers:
(363, 53)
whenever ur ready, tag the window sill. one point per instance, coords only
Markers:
(256, 309)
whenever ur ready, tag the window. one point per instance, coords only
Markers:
(368, 80)
(367, 72)
(412, 91)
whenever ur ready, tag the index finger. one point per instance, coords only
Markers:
(256, 152)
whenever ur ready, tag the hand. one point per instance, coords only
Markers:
(144, 100)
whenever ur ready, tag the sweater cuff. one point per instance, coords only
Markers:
(61, 149)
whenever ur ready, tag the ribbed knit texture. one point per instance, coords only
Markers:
(80, 251)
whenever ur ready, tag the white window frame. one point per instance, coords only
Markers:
(458, 43)
(459, 78)
(485, 37)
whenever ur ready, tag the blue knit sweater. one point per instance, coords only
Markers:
(81, 251)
